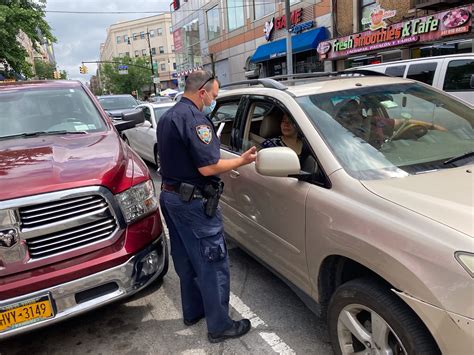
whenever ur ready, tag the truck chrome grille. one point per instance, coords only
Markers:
(62, 225)
(47, 213)
(53, 243)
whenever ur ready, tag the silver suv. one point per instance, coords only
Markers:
(370, 214)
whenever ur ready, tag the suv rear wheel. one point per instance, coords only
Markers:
(365, 317)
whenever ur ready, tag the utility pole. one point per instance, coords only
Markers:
(151, 61)
(289, 48)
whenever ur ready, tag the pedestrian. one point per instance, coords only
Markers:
(189, 156)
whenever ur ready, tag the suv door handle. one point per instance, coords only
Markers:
(234, 174)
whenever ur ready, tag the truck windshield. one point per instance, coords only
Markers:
(389, 131)
(24, 112)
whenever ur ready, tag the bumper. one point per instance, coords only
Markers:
(453, 333)
(93, 291)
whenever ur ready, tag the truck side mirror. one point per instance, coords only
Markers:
(130, 120)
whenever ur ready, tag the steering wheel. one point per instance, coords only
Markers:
(412, 129)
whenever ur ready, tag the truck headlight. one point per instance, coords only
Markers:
(466, 260)
(138, 201)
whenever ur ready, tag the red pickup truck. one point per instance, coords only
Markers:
(79, 219)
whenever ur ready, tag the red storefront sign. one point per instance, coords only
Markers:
(178, 41)
(295, 18)
(423, 29)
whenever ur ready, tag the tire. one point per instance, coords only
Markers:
(361, 302)
(166, 264)
(157, 160)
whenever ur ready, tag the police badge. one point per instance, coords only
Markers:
(204, 133)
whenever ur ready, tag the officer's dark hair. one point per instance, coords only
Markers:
(199, 79)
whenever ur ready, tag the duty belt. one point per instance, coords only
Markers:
(176, 189)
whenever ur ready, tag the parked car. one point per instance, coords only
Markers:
(79, 220)
(451, 73)
(178, 96)
(115, 105)
(373, 226)
(142, 138)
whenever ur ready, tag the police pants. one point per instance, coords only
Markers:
(200, 259)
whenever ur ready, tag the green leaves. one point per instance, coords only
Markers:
(17, 19)
(138, 77)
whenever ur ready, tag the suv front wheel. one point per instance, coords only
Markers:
(365, 317)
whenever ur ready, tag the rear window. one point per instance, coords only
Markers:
(423, 72)
(47, 110)
(458, 75)
(398, 71)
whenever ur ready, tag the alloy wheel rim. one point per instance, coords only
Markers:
(361, 330)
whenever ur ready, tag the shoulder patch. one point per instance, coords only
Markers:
(204, 132)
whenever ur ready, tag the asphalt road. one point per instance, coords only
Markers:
(150, 322)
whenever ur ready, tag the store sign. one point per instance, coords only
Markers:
(377, 18)
(429, 28)
(177, 39)
(187, 71)
(279, 23)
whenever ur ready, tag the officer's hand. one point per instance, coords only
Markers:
(249, 156)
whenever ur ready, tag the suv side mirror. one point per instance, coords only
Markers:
(278, 162)
(130, 120)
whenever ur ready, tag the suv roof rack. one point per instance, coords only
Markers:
(351, 72)
(266, 82)
(274, 83)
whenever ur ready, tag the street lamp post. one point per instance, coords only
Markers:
(151, 61)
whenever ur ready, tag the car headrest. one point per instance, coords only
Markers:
(270, 126)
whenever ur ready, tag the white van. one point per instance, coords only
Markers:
(452, 73)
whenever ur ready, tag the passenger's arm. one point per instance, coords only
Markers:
(224, 165)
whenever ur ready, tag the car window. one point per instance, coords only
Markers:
(223, 118)
(45, 110)
(117, 102)
(458, 75)
(159, 111)
(393, 130)
(397, 70)
(147, 113)
(423, 72)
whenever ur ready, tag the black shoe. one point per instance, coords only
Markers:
(190, 322)
(238, 329)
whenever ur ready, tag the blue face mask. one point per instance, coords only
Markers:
(208, 109)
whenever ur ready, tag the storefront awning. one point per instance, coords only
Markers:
(299, 43)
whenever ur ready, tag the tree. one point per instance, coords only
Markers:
(139, 75)
(44, 70)
(26, 16)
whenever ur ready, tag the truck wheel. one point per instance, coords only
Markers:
(365, 317)
(157, 159)
(166, 264)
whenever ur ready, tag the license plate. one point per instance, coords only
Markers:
(22, 313)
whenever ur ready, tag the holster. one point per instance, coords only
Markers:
(212, 192)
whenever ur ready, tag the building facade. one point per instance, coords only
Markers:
(239, 39)
(376, 31)
(139, 38)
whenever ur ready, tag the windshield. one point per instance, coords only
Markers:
(47, 110)
(390, 131)
(117, 102)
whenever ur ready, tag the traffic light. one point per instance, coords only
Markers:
(83, 69)
(56, 74)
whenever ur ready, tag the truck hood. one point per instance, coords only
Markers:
(34, 165)
(445, 196)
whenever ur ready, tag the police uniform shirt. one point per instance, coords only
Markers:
(186, 141)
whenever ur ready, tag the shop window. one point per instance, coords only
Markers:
(213, 24)
(235, 14)
(397, 70)
(263, 8)
(423, 72)
(458, 75)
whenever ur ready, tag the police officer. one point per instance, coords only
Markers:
(189, 155)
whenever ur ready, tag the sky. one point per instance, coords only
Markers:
(79, 35)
